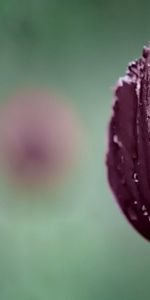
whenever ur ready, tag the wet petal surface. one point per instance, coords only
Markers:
(128, 157)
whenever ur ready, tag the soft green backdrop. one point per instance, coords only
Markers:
(71, 243)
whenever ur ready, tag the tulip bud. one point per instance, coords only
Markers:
(128, 157)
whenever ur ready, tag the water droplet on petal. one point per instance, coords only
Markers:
(135, 177)
(132, 214)
(143, 207)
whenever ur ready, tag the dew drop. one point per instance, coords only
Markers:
(116, 140)
(135, 177)
(143, 207)
(132, 214)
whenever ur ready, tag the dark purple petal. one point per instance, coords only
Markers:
(128, 158)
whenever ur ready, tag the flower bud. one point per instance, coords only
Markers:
(128, 157)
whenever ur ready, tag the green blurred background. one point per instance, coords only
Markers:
(71, 243)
